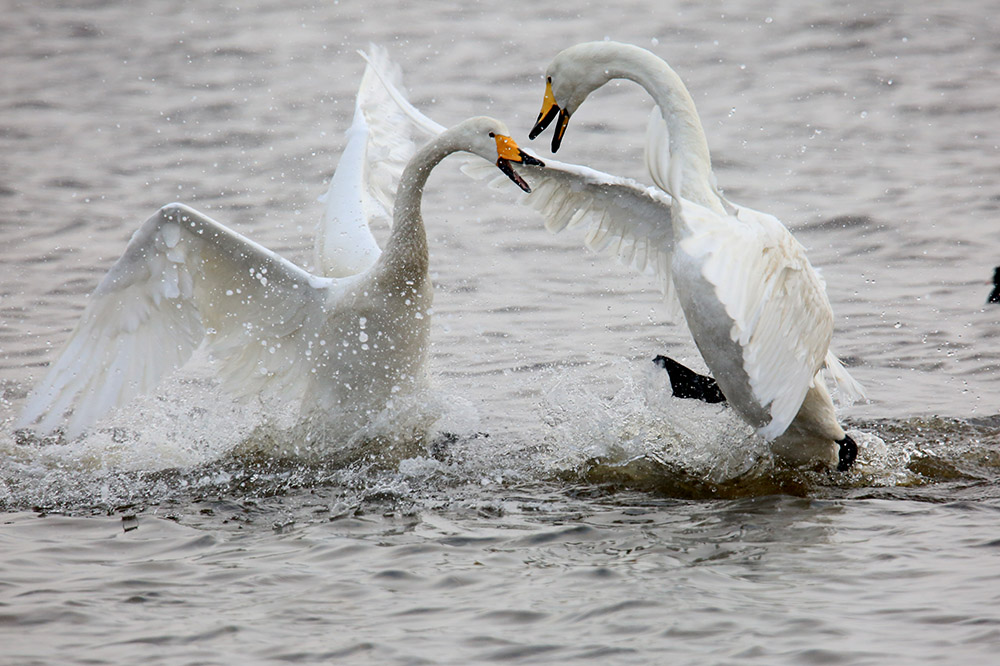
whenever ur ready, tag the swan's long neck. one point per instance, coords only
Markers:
(405, 252)
(687, 138)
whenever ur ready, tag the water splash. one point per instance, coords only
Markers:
(189, 445)
(643, 420)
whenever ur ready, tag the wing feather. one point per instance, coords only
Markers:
(615, 211)
(617, 214)
(657, 151)
(183, 277)
(391, 142)
(849, 390)
(363, 187)
(777, 303)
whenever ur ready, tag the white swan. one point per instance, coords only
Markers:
(756, 308)
(343, 344)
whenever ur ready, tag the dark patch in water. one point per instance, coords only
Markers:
(663, 479)
(839, 223)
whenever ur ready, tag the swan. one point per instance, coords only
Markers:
(755, 306)
(342, 345)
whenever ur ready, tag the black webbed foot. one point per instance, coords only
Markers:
(687, 383)
(995, 294)
(848, 453)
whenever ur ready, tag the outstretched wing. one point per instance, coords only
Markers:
(383, 70)
(363, 187)
(182, 277)
(618, 213)
(690, 172)
(777, 302)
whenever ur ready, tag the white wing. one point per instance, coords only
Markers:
(780, 313)
(657, 150)
(849, 390)
(618, 213)
(696, 180)
(395, 92)
(363, 187)
(183, 277)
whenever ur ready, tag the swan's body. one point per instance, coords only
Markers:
(756, 308)
(341, 346)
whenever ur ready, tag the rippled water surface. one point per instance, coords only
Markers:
(561, 506)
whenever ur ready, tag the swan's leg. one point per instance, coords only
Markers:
(848, 453)
(687, 383)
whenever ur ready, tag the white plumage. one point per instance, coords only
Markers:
(756, 308)
(362, 190)
(616, 214)
(340, 344)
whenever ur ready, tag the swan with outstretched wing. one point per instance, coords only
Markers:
(756, 308)
(340, 346)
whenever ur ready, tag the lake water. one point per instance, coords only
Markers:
(562, 507)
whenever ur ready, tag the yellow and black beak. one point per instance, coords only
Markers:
(507, 152)
(548, 113)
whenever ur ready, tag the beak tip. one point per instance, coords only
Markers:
(544, 119)
(508, 170)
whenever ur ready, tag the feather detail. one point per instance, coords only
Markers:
(182, 274)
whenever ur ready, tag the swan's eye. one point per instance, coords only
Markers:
(492, 135)
(548, 79)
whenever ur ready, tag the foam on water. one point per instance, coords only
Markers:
(188, 440)
(643, 419)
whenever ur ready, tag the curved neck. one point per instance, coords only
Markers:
(407, 245)
(687, 137)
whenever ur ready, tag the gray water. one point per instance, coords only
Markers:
(561, 506)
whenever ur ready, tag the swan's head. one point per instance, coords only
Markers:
(490, 139)
(572, 75)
